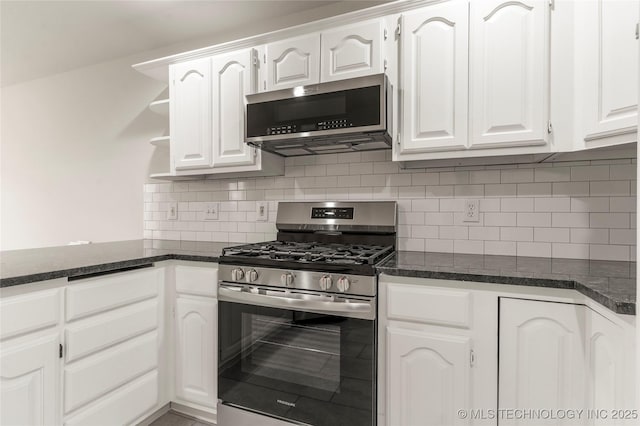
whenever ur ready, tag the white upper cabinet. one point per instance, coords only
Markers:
(190, 116)
(234, 77)
(352, 51)
(607, 69)
(434, 72)
(509, 78)
(293, 62)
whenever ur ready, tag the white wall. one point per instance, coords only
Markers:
(74, 155)
(74, 150)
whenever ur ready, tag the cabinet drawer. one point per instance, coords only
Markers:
(122, 407)
(93, 334)
(29, 312)
(93, 377)
(195, 280)
(429, 305)
(103, 293)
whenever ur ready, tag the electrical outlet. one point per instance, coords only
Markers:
(211, 211)
(262, 211)
(471, 211)
(172, 210)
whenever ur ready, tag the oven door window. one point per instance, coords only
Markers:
(311, 368)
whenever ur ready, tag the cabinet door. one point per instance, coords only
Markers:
(196, 350)
(29, 376)
(233, 78)
(428, 378)
(190, 94)
(293, 62)
(610, 67)
(509, 72)
(434, 70)
(351, 51)
(541, 356)
(611, 384)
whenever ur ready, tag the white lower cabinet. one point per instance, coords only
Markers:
(563, 356)
(30, 381)
(196, 350)
(196, 339)
(437, 350)
(428, 377)
(113, 347)
(542, 356)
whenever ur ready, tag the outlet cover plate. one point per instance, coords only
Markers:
(211, 211)
(471, 211)
(172, 210)
(262, 211)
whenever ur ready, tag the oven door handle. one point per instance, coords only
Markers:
(346, 309)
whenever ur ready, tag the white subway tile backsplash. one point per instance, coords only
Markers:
(534, 190)
(589, 236)
(500, 219)
(500, 248)
(610, 188)
(516, 204)
(590, 173)
(623, 236)
(609, 252)
(570, 220)
(516, 176)
(570, 251)
(582, 209)
(516, 234)
(552, 204)
(534, 249)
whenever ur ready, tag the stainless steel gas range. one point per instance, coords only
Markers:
(297, 317)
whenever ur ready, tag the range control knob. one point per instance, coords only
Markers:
(325, 282)
(237, 274)
(252, 275)
(286, 279)
(343, 284)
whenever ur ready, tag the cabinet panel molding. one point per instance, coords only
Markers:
(29, 382)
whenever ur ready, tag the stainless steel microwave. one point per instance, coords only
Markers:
(335, 117)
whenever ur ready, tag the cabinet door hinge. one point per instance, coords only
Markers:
(398, 140)
(398, 29)
(385, 65)
(60, 350)
(264, 85)
(549, 127)
(385, 34)
(472, 358)
(637, 30)
(264, 58)
(552, 4)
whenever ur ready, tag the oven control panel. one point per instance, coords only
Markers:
(332, 213)
(298, 279)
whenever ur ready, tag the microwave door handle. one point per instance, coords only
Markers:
(358, 310)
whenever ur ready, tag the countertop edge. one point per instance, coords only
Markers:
(101, 267)
(617, 306)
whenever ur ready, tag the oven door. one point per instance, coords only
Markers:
(296, 363)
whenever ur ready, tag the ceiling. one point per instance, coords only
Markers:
(40, 38)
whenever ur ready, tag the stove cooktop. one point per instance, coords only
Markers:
(311, 252)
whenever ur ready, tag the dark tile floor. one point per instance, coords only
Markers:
(174, 419)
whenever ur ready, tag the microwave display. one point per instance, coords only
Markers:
(326, 111)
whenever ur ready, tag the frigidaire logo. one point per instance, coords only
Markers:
(290, 404)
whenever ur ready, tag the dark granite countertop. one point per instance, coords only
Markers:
(612, 284)
(31, 265)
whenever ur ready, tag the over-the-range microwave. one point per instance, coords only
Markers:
(335, 117)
